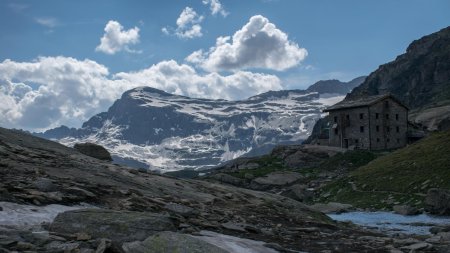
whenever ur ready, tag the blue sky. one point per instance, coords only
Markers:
(43, 39)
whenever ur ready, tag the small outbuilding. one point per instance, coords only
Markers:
(374, 123)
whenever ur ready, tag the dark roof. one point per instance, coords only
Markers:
(363, 102)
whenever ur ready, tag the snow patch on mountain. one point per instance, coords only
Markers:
(169, 132)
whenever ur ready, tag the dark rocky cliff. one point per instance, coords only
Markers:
(420, 77)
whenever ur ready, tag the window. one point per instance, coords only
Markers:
(396, 116)
(388, 129)
(361, 116)
(386, 104)
(336, 131)
(378, 139)
(378, 128)
(387, 140)
(348, 117)
(356, 141)
(335, 119)
(377, 115)
(361, 129)
(387, 115)
(397, 128)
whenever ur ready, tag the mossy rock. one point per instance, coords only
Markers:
(123, 226)
(168, 242)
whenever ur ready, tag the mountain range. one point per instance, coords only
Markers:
(153, 129)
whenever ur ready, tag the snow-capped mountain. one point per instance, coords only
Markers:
(155, 129)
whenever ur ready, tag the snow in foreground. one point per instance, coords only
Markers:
(234, 244)
(391, 222)
(18, 215)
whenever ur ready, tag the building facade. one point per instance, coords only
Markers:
(374, 123)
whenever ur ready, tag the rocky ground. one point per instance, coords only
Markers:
(136, 211)
(294, 171)
(302, 172)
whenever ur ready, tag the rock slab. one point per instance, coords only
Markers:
(123, 226)
(167, 242)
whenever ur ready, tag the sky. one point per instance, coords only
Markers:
(61, 61)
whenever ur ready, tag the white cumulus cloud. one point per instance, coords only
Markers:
(51, 91)
(188, 25)
(65, 91)
(216, 7)
(183, 79)
(258, 44)
(117, 39)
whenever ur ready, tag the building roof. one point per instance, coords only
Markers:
(363, 102)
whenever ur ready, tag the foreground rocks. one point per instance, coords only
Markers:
(119, 226)
(171, 242)
(137, 205)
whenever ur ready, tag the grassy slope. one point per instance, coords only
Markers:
(402, 177)
(338, 165)
(267, 164)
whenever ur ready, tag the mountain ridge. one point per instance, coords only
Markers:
(420, 77)
(167, 131)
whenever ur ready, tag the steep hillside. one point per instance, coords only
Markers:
(420, 77)
(401, 177)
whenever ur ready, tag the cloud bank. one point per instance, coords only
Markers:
(117, 39)
(258, 44)
(51, 91)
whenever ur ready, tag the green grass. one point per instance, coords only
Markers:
(401, 177)
(349, 160)
(267, 164)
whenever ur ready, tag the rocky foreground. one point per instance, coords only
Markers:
(136, 211)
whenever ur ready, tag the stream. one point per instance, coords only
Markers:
(393, 223)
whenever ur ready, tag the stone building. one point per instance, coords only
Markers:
(374, 123)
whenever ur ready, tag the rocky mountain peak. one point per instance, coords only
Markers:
(146, 91)
(335, 86)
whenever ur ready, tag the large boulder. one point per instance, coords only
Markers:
(167, 242)
(332, 207)
(298, 192)
(437, 201)
(93, 150)
(123, 226)
(405, 210)
(228, 179)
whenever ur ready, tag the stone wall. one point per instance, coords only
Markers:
(388, 132)
(352, 131)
